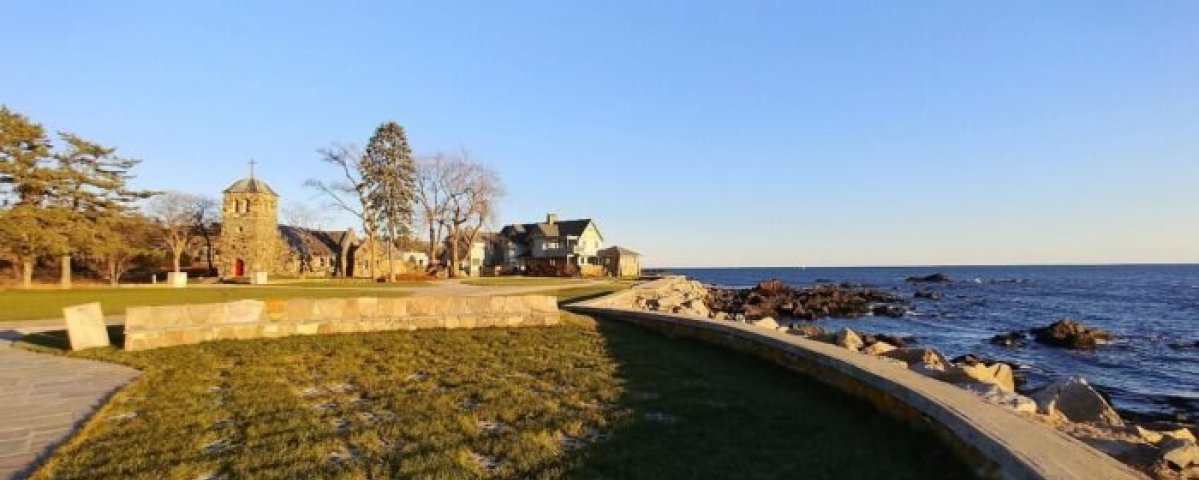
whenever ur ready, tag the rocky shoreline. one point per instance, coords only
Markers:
(1164, 450)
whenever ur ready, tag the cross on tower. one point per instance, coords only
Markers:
(252, 162)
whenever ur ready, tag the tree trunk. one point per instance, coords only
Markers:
(113, 279)
(65, 277)
(454, 252)
(177, 255)
(432, 245)
(27, 273)
(374, 253)
(391, 267)
(208, 251)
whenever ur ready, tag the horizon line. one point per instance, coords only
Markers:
(947, 265)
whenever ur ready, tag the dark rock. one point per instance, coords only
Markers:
(928, 294)
(1070, 334)
(972, 359)
(1010, 339)
(900, 342)
(891, 310)
(809, 331)
(772, 287)
(934, 278)
(774, 299)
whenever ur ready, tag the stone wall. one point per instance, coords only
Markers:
(164, 326)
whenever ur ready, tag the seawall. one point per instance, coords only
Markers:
(996, 442)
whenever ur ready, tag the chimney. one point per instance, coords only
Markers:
(551, 218)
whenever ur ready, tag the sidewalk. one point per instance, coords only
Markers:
(45, 398)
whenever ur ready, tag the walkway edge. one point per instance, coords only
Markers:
(998, 443)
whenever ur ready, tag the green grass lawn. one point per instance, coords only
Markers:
(44, 304)
(575, 401)
(522, 281)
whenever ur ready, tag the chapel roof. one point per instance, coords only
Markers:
(250, 185)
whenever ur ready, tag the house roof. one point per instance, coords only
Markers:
(250, 185)
(312, 242)
(617, 251)
(561, 228)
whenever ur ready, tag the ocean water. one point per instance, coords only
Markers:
(1153, 310)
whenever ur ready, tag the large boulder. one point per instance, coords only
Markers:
(878, 348)
(997, 374)
(994, 394)
(1074, 399)
(772, 287)
(1155, 437)
(923, 360)
(1180, 453)
(765, 322)
(807, 330)
(849, 339)
(694, 308)
(1071, 334)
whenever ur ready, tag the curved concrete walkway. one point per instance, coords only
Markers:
(45, 398)
(1001, 443)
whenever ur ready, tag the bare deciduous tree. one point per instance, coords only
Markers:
(431, 199)
(350, 193)
(304, 216)
(205, 220)
(471, 191)
(176, 214)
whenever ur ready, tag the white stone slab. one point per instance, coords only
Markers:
(177, 279)
(258, 278)
(85, 326)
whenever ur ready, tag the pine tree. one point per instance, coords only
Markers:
(60, 196)
(390, 174)
(24, 151)
(27, 230)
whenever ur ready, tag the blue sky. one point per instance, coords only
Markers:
(700, 133)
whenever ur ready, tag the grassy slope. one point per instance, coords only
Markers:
(41, 304)
(579, 401)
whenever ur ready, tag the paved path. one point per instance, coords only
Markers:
(43, 398)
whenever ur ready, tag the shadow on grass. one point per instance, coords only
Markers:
(57, 342)
(701, 411)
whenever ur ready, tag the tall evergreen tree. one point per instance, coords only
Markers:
(61, 195)
(24, 152)
(91, 182)
(391, 178)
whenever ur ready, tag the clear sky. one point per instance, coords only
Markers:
(699, 133)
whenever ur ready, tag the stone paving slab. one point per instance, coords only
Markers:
(45, 398)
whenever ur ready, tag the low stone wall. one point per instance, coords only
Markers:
(997, 442)
(164, 326)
